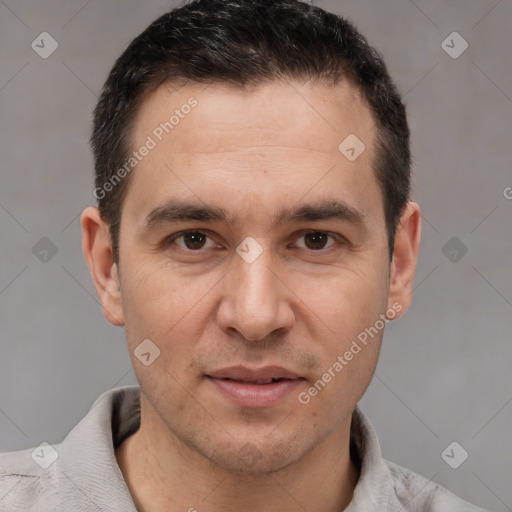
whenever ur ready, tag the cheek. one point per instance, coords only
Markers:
(171, 310)
(346, 301)
(158, 298)
(342, 382)
(349, 310)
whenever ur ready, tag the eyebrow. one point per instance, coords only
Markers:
(176, 210)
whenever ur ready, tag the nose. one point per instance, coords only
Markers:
(256, 301)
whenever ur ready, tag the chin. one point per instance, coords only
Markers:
(255, 456)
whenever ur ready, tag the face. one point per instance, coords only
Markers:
(251, 249)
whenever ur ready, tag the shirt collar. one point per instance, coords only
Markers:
(87, 467)
(375, 490)
(87, 461)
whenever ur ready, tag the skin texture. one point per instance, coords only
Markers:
(298, 305)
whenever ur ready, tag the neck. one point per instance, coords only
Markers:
(162, 473)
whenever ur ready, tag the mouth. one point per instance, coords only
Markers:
(263, 375)
(257, 381)
(255, 388)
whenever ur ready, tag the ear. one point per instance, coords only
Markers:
(405, 256)
(98, 253)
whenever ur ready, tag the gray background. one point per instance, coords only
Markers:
(444, 372)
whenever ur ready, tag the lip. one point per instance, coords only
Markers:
(250, 387)
(242, 373)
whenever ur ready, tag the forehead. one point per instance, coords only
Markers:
(235, 116)
(268, 143)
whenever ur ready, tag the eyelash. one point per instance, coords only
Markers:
(338, 239)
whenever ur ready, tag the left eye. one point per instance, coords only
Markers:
(316, 240)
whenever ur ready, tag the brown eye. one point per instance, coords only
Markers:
(194, 241)
(316, 240)
(190, 240)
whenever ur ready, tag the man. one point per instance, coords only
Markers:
(254, 235)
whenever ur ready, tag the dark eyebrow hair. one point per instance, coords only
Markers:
(176, 210)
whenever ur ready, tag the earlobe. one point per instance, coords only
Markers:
(98, 253)
(405, 257)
